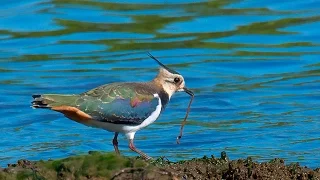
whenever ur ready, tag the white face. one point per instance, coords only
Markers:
(171, 82)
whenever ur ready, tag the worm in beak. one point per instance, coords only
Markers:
(188, 110)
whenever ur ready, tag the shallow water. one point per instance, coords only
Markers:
(254, 67)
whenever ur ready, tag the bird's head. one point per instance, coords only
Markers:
(171, 81)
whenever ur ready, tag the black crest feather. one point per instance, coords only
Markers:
(162, 65)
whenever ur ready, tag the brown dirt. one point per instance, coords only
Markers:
(98, 166)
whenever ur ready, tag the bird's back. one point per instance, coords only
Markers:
(118, 103)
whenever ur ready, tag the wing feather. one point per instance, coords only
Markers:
(119, 103)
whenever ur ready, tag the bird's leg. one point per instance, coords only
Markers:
(133, 148)
(115, 143)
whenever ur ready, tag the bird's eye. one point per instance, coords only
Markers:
(176, 80)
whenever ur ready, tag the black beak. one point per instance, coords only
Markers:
(188, 91)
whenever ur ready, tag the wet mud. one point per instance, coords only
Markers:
(96, 166)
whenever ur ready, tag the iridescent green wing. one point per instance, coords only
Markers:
(119, 103)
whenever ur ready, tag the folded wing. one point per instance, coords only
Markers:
(119, 103)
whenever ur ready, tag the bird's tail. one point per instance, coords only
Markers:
(53, 100)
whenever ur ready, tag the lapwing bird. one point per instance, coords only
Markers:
(119, 107)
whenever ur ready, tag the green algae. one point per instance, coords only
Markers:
(95, 164)
(98, 166)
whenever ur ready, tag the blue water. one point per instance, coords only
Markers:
(253, 65)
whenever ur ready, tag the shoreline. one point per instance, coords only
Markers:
(96, 165)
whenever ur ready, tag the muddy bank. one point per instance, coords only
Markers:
(97, 166)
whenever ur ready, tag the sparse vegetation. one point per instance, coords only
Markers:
(98, 165)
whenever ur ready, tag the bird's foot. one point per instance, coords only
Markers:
(145, 157)
(161, 161)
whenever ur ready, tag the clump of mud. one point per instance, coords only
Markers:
(98, 166)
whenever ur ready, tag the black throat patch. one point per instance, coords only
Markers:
(164, 97)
